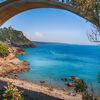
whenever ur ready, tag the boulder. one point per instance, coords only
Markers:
(70, 84)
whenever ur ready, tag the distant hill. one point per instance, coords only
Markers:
(41, 42)
(15, 38)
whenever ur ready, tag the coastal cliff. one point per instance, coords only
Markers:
(10, 42)
(14, 38)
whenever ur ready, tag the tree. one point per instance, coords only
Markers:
(94, 35)
(90, 9)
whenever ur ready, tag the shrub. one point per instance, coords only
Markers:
(11, 92)
(4, 49)
(81, 87)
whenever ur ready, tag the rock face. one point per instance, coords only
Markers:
(14, 38)
(11, 64)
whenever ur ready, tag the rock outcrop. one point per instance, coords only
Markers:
(11, 64)
(14, 38)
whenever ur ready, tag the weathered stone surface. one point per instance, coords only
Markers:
(14, 7)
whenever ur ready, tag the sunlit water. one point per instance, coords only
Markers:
(52, 62)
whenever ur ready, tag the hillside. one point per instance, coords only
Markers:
(14, 38)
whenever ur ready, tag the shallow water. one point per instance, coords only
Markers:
(51, 62)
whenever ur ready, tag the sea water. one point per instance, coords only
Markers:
(53, 61)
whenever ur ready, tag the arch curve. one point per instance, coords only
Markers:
(14, 7)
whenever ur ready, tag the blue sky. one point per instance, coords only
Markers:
(2, 1)
(51, 25)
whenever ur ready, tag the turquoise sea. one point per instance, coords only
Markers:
(53, 61)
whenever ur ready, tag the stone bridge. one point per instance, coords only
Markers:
(10, 8)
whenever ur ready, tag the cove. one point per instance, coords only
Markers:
(53, 61)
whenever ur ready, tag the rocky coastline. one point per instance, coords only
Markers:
(11, 64)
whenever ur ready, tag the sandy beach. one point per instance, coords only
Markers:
(42, 89)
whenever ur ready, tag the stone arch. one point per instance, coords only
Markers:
(11, 8)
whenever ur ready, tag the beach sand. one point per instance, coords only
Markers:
(34, 91)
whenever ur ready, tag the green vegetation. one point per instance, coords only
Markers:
(11, 92)
(80, 86)
(89, 8)
(4, 49)
(14, 37)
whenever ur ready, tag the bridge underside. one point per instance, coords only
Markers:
(17, 6)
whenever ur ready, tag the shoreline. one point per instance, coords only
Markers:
(43, 89)
(11, 65)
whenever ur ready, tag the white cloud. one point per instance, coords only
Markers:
(28, 35)
(38, 35)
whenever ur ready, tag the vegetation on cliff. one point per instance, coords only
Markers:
(4, 49)
(14, 38)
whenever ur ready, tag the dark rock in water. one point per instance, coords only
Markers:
(26, 69)
(73, 78)
(25, 63)
(64, 79)
(70, 84)
(42, 81)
